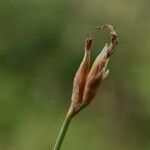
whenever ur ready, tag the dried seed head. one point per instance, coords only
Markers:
(86, 82)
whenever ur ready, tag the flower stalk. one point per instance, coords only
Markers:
(62, 132)
(87, 80)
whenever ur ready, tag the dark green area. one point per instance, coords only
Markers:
(41, 46)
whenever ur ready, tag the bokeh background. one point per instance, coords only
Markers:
(41, 47)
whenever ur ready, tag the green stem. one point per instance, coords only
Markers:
(62, 133)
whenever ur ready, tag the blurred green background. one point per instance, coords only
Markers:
(41, 47)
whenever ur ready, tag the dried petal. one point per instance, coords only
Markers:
(99, 70)
(81, 76)
(95, 77)
(113, 40)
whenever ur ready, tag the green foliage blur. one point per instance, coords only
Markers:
(41, 47)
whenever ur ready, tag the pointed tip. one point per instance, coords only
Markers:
(88, 42)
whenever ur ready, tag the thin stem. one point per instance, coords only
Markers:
(62, 133)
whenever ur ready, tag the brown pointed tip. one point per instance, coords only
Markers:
(88, 42)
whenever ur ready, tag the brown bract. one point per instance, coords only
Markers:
(87, 81)
(80, 77)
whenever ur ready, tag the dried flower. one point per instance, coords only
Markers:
(87, 81)
(80, 77)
